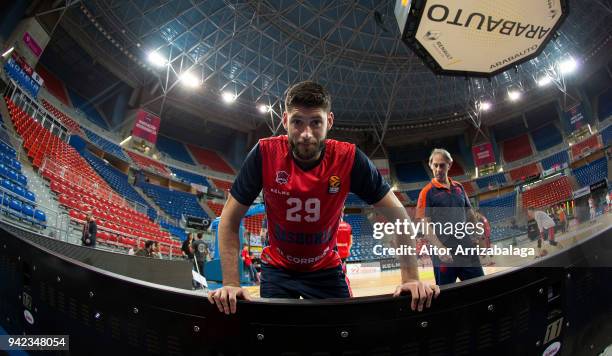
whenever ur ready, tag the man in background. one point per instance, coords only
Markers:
(90, 229)
(546, 226)
(199, 249)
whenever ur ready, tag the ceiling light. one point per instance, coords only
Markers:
(568, 65)
(544, 81)
(484, 106)
(156, 59)
(189, 80)
(228, 97)
(263, 108)
(8, 51)
(514, 95)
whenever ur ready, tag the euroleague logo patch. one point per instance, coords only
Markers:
(282, 177)
(334, 185)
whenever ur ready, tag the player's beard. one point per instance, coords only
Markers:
(306, 152)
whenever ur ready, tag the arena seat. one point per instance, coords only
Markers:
(253, 223)
(516, 148)
(592, 172)
(549, 193)
(148, 163)
(546, 137)
(210, 159)
(456, 170)
(53, 84)
(354, 200)
(106, 145)
(189, 177)
(606, 136)
(522, 173)
(411, 172)
(221, 184)
(362, 249)
(25, 81)
(118, 181)
(498, 179)
(585, 146)
(413, 194)
(505, 232)
(557, 159)
(70, 123)
(174, 203)
(500, 208)
(215, 207)
(91, 113)
(174, 149)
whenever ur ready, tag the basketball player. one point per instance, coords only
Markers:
(305, 180)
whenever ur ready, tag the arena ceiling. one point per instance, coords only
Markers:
(256, 49)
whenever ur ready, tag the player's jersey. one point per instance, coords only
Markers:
(344, 239)
(303, 207)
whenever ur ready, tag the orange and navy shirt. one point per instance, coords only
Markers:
(303, 204)
(444, 205)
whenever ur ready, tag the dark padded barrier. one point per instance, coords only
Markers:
(517, 312)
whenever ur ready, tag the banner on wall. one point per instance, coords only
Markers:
(32, 44)
(483, 154)
(383, 167)
(146, 126)
(574, 117)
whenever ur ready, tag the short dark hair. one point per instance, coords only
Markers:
(149, 243)
(307, 94)
(200, 235)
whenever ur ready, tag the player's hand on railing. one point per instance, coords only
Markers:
(226, 298)
(421, 292)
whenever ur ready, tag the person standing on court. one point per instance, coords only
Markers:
(305, 180)
(444, 201)
(546, 225)
(345, 239)
(90, 229)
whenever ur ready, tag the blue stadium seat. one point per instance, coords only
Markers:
(189, 177)
(40, 216)
(174, 149)
(15, 204)
(6, 200)
(592, 172)
(557, 159)
(413, 194)
(174, 203)
(500, 208)
(27, 210)
(118, 181)
(19, 190)
(546, 137)
(30, 196)
(174, 230)
(22, 179)
(106, 145)
(354, 200)
(411, 172)
(498, 179)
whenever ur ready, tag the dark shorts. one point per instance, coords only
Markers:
(280, 283)
(446, 274)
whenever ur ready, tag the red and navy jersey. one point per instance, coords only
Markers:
(303, 204)
(303, 207)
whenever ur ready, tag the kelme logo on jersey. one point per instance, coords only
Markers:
(334, 185)
(282, 177)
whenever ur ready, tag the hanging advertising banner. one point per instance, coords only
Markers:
(483, 154)
(32, 44)
(383, 167)
(146, 126)
(574, 117)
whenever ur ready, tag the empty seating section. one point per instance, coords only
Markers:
(606, 136)
(91, 113)
(211, 159)
(354, 200)
(221, 184)
(363, 243)
(516, 148)
(53, 84)
(401, 196)
(174, 149)
(148, 163)
(215, 207)
(456, 170)
(189, 177)
(547, 194)
(106, 145)
(585, 146)
(411, 172)
(174, 230)
(79, 189)
(118, 181)
(14, 71)
(253, 223)
(592, 172)
(495, 180)
(521, 173)
(546, 137)
(174, 203)
(500, 208)
(504, 232)
(72, 125)
(556, 160)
